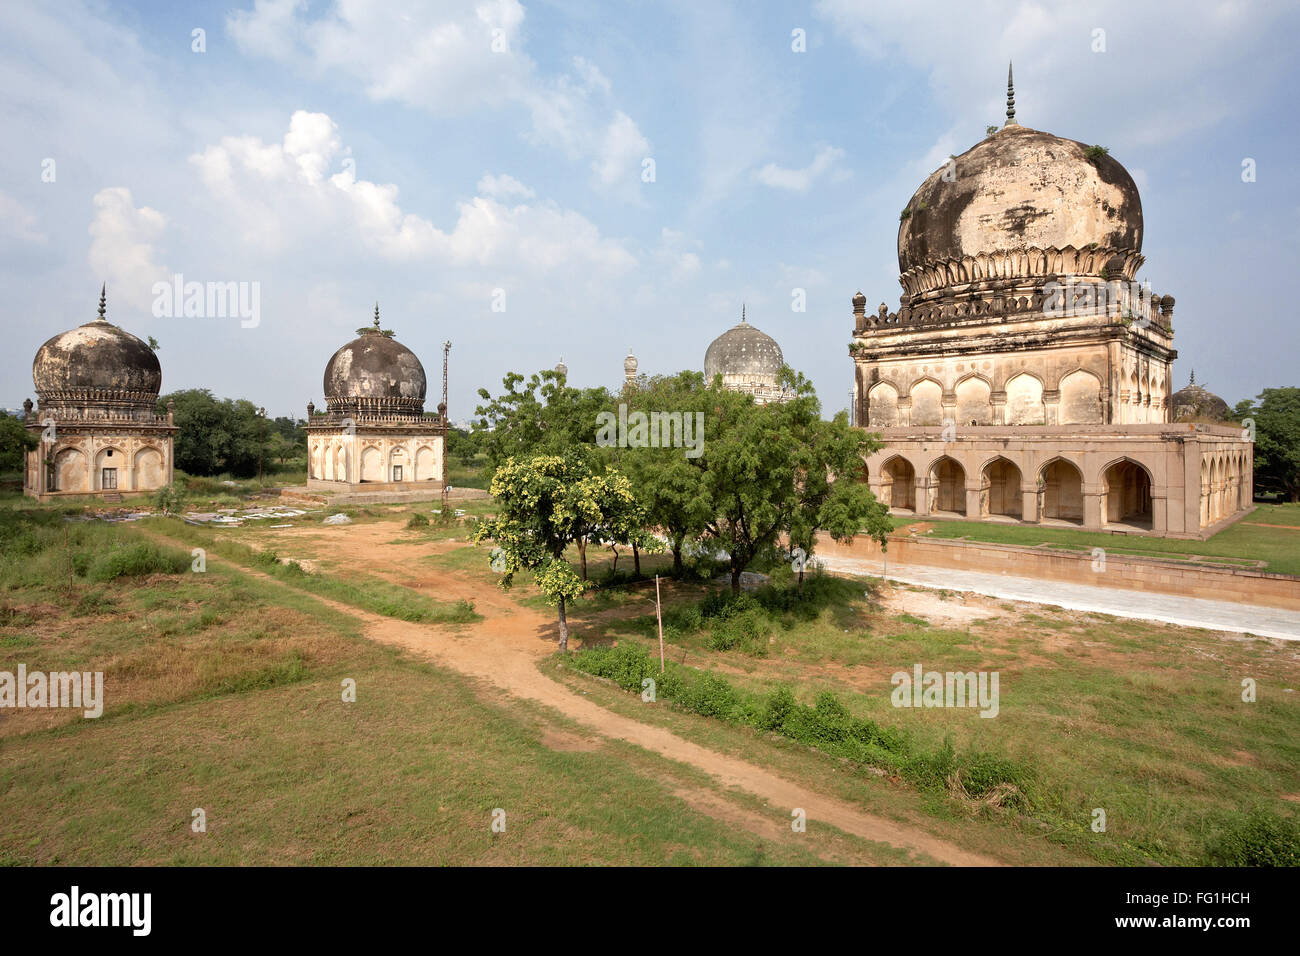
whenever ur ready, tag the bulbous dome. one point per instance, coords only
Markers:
(1196, 402)
(1021, 187)
(377, 374)
(745, 353)
(96, 363)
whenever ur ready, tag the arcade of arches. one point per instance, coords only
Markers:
(1013, 478)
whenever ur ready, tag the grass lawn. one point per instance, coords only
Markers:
(1142, 720)
(224, 694)
(1253, 539)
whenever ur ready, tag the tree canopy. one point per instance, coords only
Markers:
(15, 442)
(545, 503)
(1276, 414)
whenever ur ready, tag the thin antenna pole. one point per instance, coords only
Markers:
(446, 347)
(660, 618)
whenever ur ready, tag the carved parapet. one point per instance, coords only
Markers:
(1028, 263)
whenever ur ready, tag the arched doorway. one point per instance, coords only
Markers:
(947, 486)
(1060, 492)
(1000, 489)
(898, 484)
(1126, 496)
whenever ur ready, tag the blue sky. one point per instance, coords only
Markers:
(337, 153)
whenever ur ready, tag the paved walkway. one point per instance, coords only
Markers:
(1121, 602)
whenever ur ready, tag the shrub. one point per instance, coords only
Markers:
(626, 665)
(1258, 837)
(780, 703)
(418, 520)
(712, 696)
(136, 560)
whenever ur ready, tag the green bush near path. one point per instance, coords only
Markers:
(826, 725)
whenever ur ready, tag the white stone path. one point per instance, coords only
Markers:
(1121, 602)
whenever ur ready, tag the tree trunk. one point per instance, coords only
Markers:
(735, 578)
(801, 576)
(614, 568)
(636, 560)
(564, 629)
(677, 560)
(582, 556)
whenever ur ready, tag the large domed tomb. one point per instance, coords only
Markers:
(97, 388)
(374, 435)
(748, 360)
(1026, 373)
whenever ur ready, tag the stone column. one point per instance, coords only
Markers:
(1029, 503)
(1159, 509)
(998, 401)
(1052, 406)
(973, 509)
(1093, 519)
(905, 410)
(922, 495)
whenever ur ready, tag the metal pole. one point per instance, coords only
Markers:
(660, 618)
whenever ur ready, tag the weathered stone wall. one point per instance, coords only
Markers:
(1129, 573)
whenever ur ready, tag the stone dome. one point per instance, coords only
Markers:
(375, 374)
(96, 363)
(1196, 402)
(1016, 189)
(743, 353)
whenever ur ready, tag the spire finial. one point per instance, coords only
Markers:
(376, 315)
(1011, 98)
(1193, 381)
(742, 313)
(103, 301)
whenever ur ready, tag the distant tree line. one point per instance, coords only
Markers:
(227, 436)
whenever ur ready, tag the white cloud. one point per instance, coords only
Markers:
(503, 187)
(799, 180)
(965, 50)
(122, 249)
(449, 59)
(19, 222)
(280, 195)
(676, 251)
(621, 151)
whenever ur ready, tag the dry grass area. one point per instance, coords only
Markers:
(224, 694)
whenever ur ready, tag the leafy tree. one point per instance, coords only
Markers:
(543, 417)
(15, 442)
(292, 433)
(1276, 414)
(665, 480)
(827, 495)
(216, 435)
(463, 445)
(545, 503)
(780, 469)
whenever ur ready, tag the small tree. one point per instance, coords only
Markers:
(1276, 414)
(545, 504)
(15, 442)
(167, 500)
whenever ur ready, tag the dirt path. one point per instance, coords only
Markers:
(504, 650)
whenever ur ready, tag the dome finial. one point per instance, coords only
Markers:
(1011, 99)
(742, 313)
(376, 315)
(103, 301)
(1193, 381)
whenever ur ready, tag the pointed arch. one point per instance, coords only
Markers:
(1000, 480)
(1060, 490)
(947, 485)
(898, 483)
